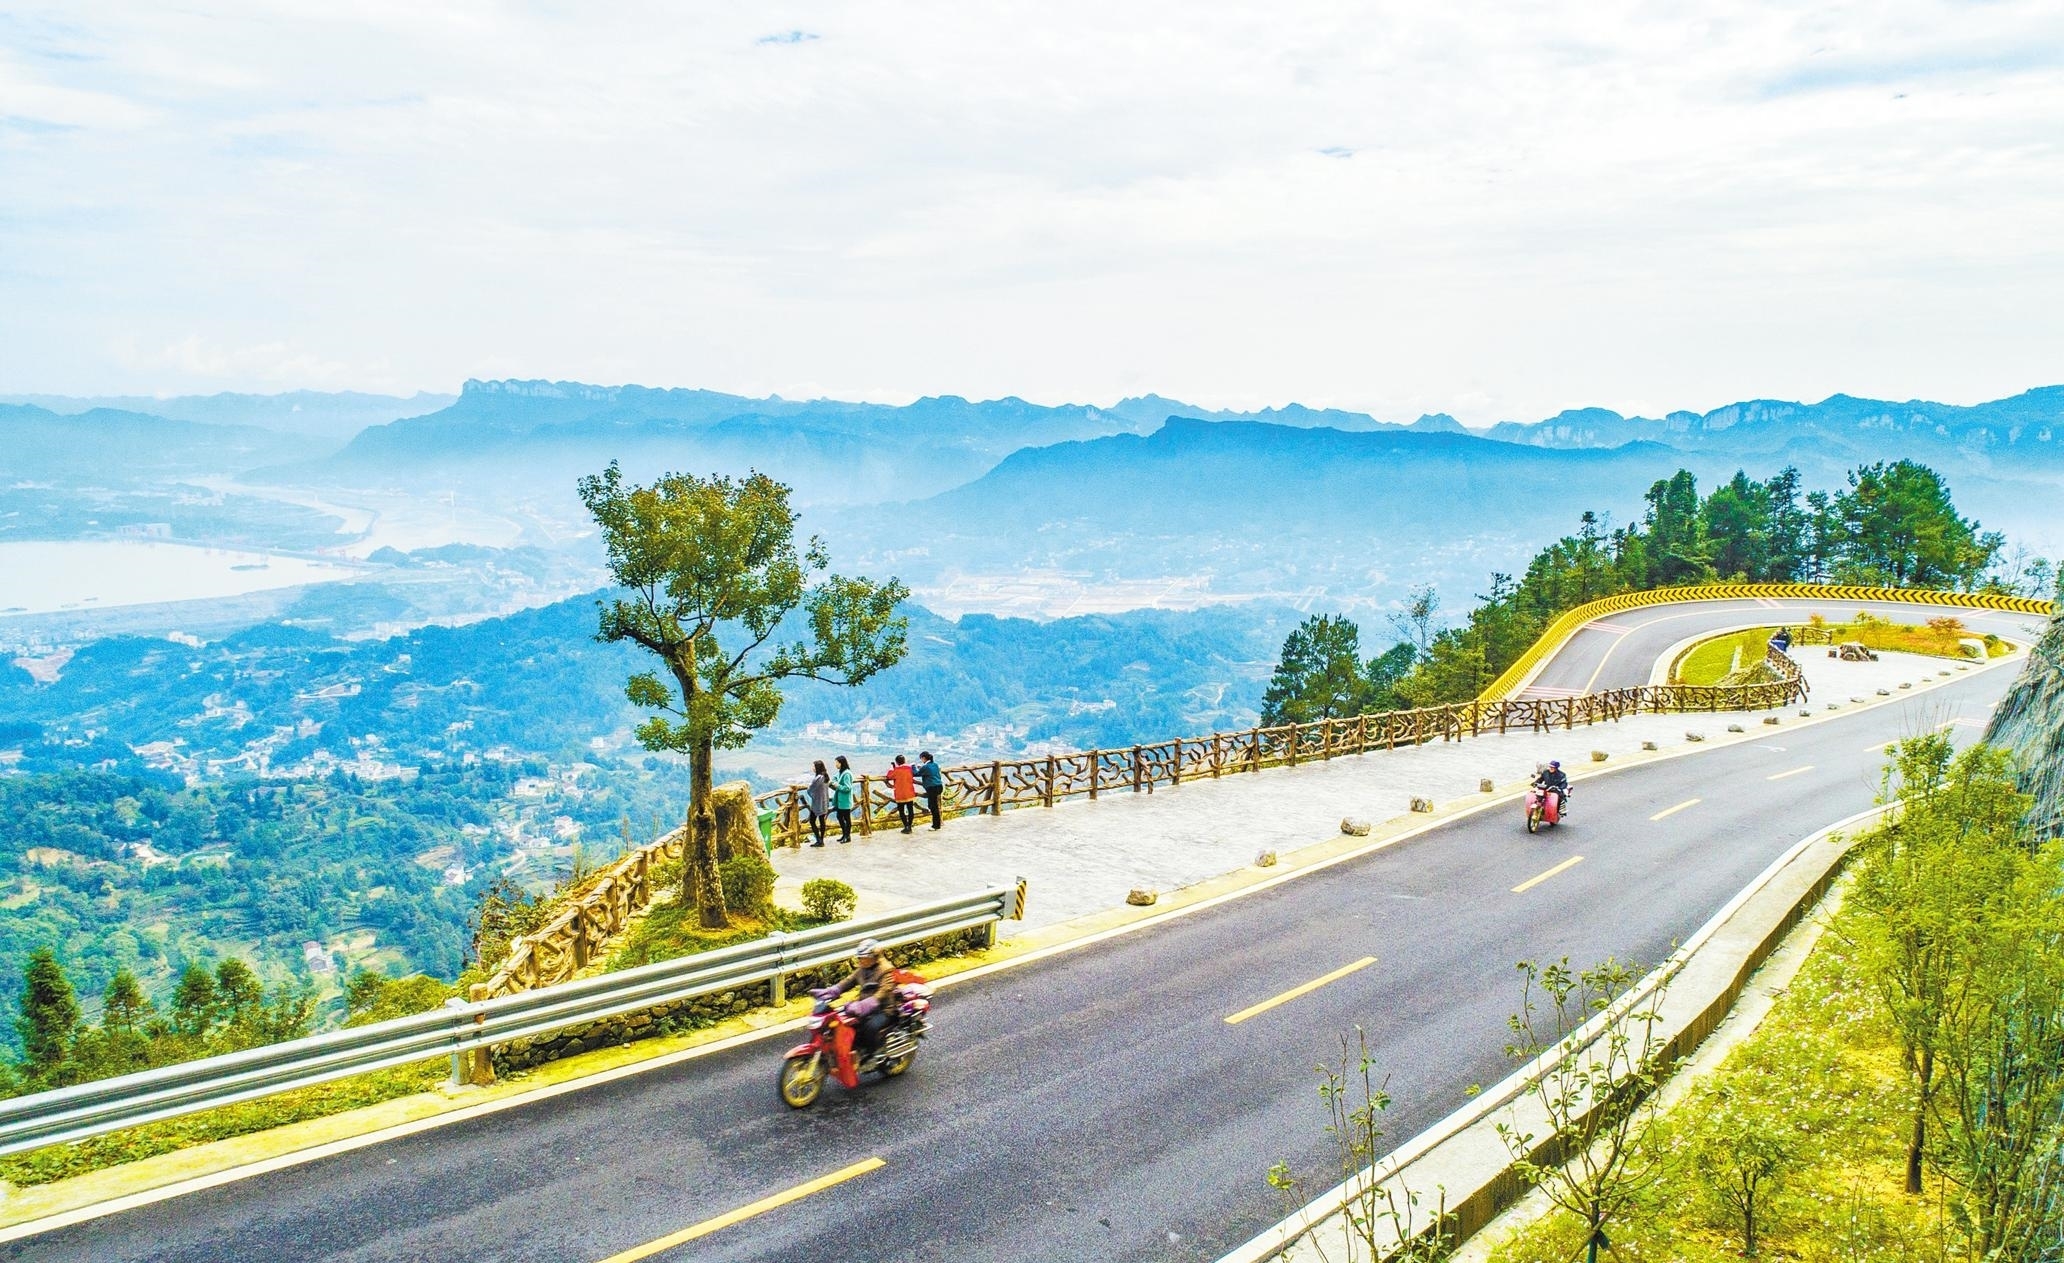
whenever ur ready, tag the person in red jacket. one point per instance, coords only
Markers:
(902, 779)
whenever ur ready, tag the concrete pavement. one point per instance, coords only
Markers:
(1081, 857)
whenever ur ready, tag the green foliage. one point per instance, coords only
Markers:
(1322, 676)
(748, 884)
(1744, 1150)
(49, 1019)
(57, 1162)
(1894, 525)
(1960, 923)
(1378, 1220)
(1599, 1100)
(223, 1011)
(504, 912)
(1900, 529)
(373, 997)
(712, 571)
(828, 899)
(141, 872)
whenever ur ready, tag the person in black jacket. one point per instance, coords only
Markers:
(934, 782)
(1554, 779)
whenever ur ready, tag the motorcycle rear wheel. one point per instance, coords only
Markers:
(802, 1081)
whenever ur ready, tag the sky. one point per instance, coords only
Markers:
(1495, 211)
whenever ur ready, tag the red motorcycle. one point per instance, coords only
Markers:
(829, 1052)
(1543, 807)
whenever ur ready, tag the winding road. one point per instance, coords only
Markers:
(1625, 649)
(1099, 1103)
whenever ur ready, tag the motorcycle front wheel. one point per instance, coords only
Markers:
(802, 1081)
(1533, 820)
(890, 1069)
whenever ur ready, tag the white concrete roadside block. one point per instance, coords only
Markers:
(1834, 705)
(1857, 700)
(1887, 692)
(1773, 719)
(1694, 736)
(1906, 684)
(1354, 827)
(1422, 804)
(1736, 728)
(1267, 859)
(1486, 786)
(1650, 745)
(1599, 756)
(1142, 898)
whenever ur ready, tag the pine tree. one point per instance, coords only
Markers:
(124, 1006)
(194, 1004)
(49, 1018)
(1320, 674)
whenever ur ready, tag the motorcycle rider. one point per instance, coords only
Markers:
(1553, 779)
(873, 975)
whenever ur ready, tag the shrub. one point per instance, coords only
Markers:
(828, 899)
(748, 884)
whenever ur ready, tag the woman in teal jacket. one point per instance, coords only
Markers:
(842, 799)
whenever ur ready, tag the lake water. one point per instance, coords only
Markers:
(40, 577)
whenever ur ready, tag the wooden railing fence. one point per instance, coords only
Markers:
(1000, 785)
(563, 946)
(580, 931)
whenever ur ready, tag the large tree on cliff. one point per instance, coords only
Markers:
(712, 572)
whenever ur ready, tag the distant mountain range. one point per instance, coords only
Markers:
(318, 414)
(103, 445)
(2029, 427)
(945, 482)
(490, 422)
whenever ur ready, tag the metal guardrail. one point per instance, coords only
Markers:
(91, 1109)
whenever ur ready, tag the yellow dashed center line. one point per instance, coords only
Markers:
(1294, 992)
(1532, 882)
(1778, 776)
(743, 1213)
(1671, 811)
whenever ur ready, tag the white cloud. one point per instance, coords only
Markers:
(1489, 210)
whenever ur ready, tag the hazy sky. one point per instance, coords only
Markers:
(1497, 211)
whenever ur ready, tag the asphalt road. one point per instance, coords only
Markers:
(1621, 650)
(1096, 1104)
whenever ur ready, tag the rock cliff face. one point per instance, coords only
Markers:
(2030, 721)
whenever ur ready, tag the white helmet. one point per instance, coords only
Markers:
(868, 947)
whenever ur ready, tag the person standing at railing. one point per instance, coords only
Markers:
(934, 782)
(817, 799)
(842, 799)
(902, 779)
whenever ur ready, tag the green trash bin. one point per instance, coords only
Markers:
(767, 828)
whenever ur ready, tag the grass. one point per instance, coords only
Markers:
(667, 930)
(1823, 1072)
(1708, 661)
(1940, 637)
(57, 1162)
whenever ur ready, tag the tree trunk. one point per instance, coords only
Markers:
(700, 887)
(1917, 1143)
